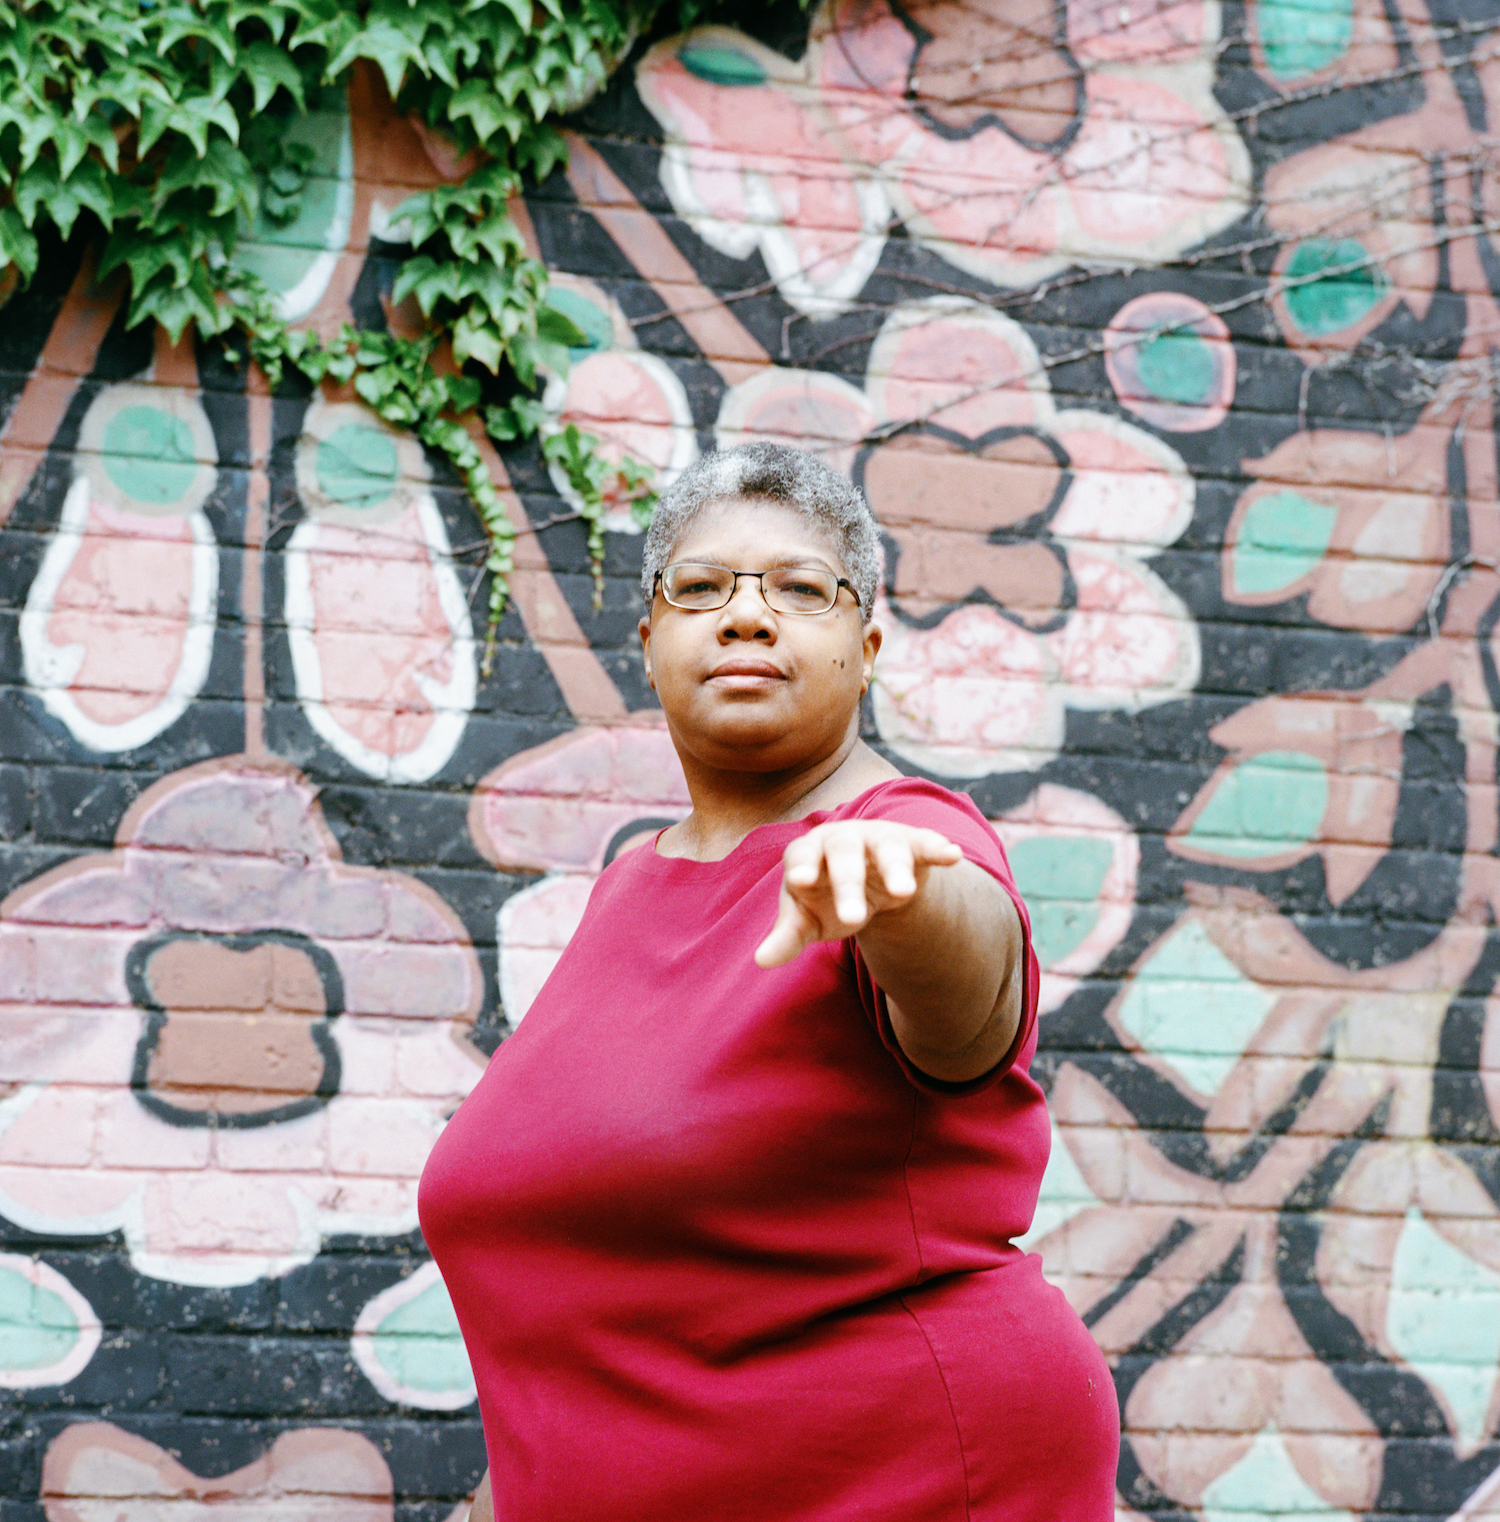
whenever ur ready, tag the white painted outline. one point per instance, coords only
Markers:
(50, 669)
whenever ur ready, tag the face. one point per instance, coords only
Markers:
(745, 688)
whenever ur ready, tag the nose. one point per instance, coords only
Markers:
(745, 615)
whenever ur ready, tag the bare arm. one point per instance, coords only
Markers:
(941, 937)
(483, 1509)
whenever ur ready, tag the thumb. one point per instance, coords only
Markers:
(794, 930)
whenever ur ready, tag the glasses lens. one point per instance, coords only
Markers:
(800, 589)
(697, 586)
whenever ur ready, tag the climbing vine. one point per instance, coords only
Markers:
(161, 123)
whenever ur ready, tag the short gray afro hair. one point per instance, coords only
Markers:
(772, 473)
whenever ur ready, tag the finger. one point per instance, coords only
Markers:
(847, 869)
(931, 849)
(802, 861)
(792, 933)
(897, 864)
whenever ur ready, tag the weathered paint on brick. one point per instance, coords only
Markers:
(1160, 338)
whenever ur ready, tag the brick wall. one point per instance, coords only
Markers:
(1161, 340)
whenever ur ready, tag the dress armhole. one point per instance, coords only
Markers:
(930, 806)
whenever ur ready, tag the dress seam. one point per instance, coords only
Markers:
(958, 1437)
(911, 1209)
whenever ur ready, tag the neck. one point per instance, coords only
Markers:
(727, 805)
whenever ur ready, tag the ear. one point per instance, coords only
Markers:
(644, 629)
(872, 639)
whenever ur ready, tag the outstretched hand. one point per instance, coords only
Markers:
(838, 877)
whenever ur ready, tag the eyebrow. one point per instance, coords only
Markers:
(816, 562)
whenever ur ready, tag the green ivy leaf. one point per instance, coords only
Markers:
(390, 48)
(475, 337)
(221, 169)
(41, 188)
(269, 69)
(178, 22)
(175, 306)
(486, 112)
(145, 257)
(192, 117)
(18, 246)
(557, 327)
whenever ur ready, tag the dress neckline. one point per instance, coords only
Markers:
(764, 837)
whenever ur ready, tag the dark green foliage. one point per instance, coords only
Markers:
(162, 122)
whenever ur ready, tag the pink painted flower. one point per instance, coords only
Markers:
(221, 1041)
(1018, 586)
(631, 401)
(568, 808)
(1012, 151)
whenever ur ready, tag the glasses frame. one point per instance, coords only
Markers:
(734, 586)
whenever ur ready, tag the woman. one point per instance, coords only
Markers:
(727, 1221)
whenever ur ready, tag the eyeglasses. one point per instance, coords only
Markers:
(787, 589)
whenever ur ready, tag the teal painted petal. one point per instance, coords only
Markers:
(721, 65)
(1060, 877)
(421, 1345)
(1178, 367)
(1189, 1005)
(1064, 1194)
(296, 261)
(1265, 806)
(1265, 1487)
(595, 324)
(1282, 537)
(148, 453)
(1302, 37)
(48, 1333)
(408, 1343)
(1443, 1318)
(358, 466)
(1324, 303)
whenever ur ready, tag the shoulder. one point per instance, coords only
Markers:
(930, 806)
(906, 798)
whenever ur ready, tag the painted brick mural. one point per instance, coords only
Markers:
(1161, 335)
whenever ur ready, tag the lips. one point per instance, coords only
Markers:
(747, 672)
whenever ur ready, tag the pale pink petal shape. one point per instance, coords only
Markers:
(753, 166)
(807, 408)
(958, 364)
(97, 1472)
(118, 629)
(1127, 488)
(1151, 172)
(861, 48)
(984, 203)
(559, 805)
(1054, 812)
(635, 405)
(382, 641)
(1139, 31)
(534, 927)
(1130, 642)
(975, 694)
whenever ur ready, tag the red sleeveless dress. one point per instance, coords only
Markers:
(719, 1251)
